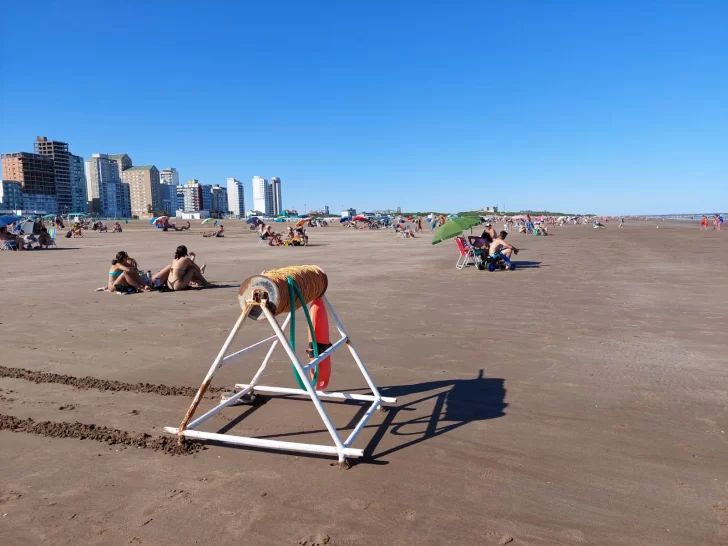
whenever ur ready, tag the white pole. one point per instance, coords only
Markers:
(311, 392)
(213, 368)
(321, 394)
(358, 361)
(268, 355)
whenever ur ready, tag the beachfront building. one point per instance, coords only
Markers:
(58, 152)
(143, 183)
(262, 196)
(191, 196)
(205, 196)
(116, 200)
(348, 212)
(168, 196)
(38, 203)
(36, 174)
(100, 171)
(219, 207)
(122, 162)
(169, 176)
(78, 184)
(275, 193)
(236, 198)
(11, 195)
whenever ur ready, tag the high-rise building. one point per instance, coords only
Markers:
(326, 210)
(125, 200)
(100, 172)
(236, 197)
(275, 190)
(122, 161)
(219, 201)
(143, 183)
(169, 176)
(78, 184)
(191, 196)
(58, 152)
(36, 174)
(168, 195)
(11, 195)
(206, 196)
(262, 196)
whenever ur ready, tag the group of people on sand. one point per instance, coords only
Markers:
(717, 222)
(167, 225)
(25, 241)
(494, 243)
(292, 237)
(183, 273)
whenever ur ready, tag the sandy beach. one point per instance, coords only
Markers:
(580, 399)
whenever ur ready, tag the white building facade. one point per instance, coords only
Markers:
(169, 176)
(262, 196)
(236, 198)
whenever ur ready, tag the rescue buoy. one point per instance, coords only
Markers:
(320, 320)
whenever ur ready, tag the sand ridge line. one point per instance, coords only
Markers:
(101, 384)
(110, 436)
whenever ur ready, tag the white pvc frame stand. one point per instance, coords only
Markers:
(342, 448)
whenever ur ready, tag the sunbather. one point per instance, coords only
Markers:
(217, 233)
(123, 274)
(184, 271)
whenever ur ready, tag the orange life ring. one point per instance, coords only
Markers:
(320, 320)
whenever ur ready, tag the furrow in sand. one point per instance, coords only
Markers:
(109, 436)
(100, 384)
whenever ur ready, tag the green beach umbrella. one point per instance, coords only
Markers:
(453, 228)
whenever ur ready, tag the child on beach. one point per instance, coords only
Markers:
(704, 223)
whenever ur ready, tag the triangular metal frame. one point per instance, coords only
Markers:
(342, 448)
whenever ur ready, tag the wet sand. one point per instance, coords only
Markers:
(580, 399)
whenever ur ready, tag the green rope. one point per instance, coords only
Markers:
(293, 291)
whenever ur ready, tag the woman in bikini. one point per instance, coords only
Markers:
(184, 271)
(123, 274)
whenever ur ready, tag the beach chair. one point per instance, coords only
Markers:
(9, 245)
(52, 234)
(467, 253)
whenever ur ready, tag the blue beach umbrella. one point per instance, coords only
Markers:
(7, 220)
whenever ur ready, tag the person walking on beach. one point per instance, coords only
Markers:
(704, 223)
(621, 221)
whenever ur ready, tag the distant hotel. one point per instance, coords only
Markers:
(267, 196)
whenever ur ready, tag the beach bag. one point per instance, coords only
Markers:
(69, 235)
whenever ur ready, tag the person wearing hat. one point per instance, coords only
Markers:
(490, 230)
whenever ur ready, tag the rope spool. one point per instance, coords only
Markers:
(272, 286)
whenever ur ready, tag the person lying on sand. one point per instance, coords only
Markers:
(500, 247)
(184, 271)
(123, 274)
(217, 233)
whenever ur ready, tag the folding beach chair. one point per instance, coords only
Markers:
(9, 245)
(467, 253)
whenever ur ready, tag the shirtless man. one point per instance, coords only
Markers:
(499, 246)
(490, 230)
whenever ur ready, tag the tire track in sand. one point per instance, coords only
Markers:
(110, 436)
(101, 384)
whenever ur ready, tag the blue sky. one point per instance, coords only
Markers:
(615, 107)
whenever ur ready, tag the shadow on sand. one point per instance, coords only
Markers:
(462, 402)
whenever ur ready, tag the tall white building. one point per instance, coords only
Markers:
(100, 171)
(275, 190)
(236, 199)
(262, 196)
(169, 176)
(78, 183)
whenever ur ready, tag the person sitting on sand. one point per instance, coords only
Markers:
(123, 274)
(163, 275)
(44, 239)
(217, 233)
(184, 271)
(499, 247)
(76, 231)
(117, 228)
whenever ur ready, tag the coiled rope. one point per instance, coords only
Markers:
(272, 286)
